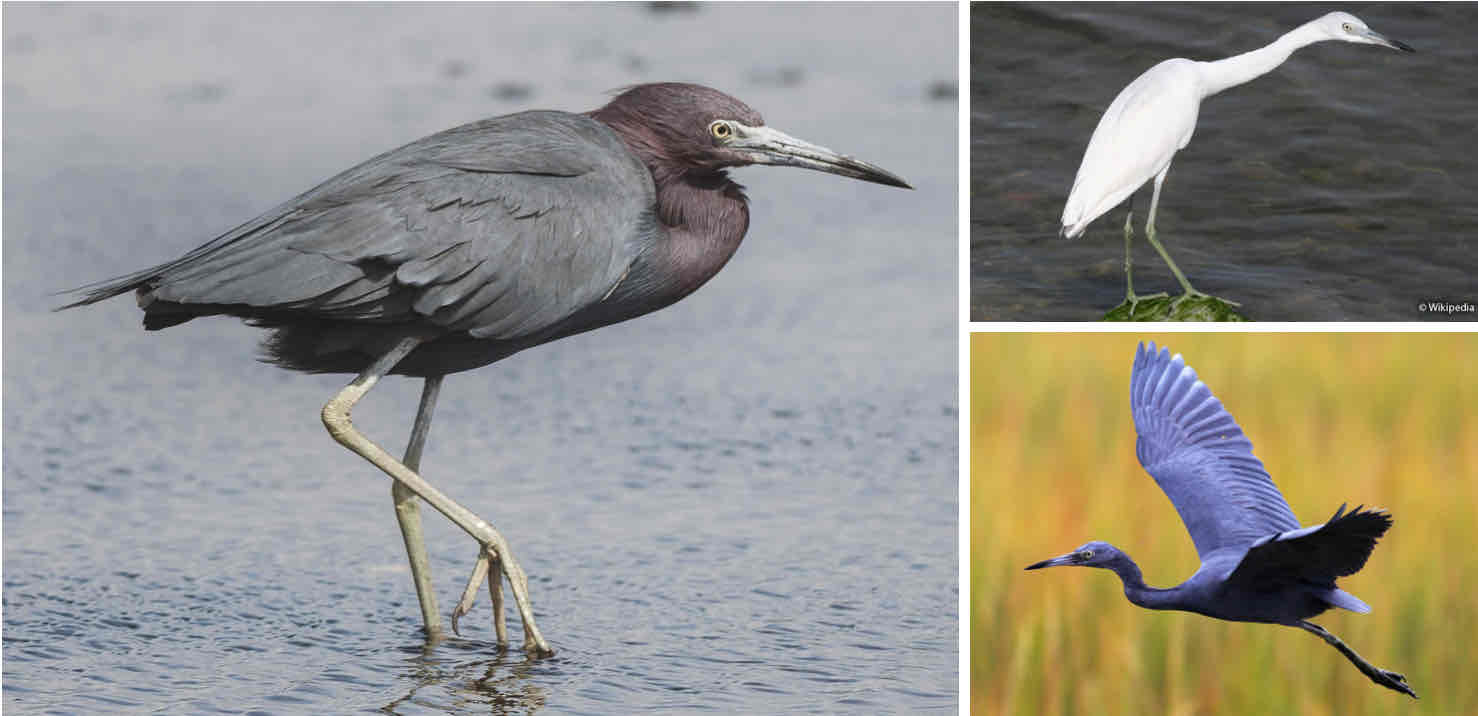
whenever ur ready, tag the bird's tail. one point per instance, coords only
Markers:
(1344, 600)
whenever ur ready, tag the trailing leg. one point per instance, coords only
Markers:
(1388, 679)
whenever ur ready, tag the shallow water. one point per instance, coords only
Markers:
(1337, 187)
(743, 503)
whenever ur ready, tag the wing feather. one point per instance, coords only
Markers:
(497, 228)
(1200, 457)
(1317, 554)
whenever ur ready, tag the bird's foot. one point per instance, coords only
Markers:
(469, 594)
(490, 565)
(1193, 294)
(1134, 300)
(1393, 681)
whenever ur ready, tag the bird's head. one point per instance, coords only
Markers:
(1344, 27)
(1092, 554)
(677, 128)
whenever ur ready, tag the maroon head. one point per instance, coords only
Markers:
(678, 128)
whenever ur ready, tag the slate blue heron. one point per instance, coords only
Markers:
(1257, 563)
(1154, 117)
(465, 247)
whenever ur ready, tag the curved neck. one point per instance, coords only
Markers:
(1136, 590)
(704, 213)
(706, 218)
(1225, 74)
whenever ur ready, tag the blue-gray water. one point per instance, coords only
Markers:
(744, 503)
(1338, 187)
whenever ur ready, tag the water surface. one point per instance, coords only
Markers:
(1338, 187)
(743, 503)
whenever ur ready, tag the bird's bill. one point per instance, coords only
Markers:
(763, 145)
(1379, 39)
(1068, 559)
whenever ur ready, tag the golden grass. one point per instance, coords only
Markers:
(1386, 420)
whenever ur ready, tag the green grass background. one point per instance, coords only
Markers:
(1386, 420)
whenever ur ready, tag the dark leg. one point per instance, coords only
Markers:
(1388, 679)
(408, 511)
(336, 418)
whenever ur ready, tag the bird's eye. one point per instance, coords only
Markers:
(1086, 554)
(720, 130)
(1348, 27)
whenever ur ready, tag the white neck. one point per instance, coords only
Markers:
(1225, 74)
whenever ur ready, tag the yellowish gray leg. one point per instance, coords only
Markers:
(336, 418)
(408, 511)
(1129, 296)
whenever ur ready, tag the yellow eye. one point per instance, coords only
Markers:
(1086, 554)
(1348, 27)
(720, 130)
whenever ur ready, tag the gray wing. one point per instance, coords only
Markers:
(498, 228)
(1198, 455)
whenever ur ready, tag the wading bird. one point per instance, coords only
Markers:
(465, 247)
(1257, 564)
(1154, 117)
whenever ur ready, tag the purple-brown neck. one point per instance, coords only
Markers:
(704, 212)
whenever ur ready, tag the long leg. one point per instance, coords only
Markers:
(1149, 230)
(408, 511)
(1129, 296)
(336, 418)
(1388, 679)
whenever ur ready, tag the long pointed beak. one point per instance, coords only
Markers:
(1384, 41)
(763, 145)
(1064, 560)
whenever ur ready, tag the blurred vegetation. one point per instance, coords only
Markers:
(1386, 420)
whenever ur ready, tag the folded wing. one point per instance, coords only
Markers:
(497, 228)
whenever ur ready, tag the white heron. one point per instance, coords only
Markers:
(1154, 117)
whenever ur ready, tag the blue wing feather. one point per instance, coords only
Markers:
(1200, 457)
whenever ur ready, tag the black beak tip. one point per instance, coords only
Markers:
(1403, 46)
(887, 179)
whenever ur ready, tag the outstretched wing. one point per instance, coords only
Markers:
(1200, 458)
(1317, 554)
(498, 228)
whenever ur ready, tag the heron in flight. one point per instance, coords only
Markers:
(1154, 117)
(1257, 563)
(465, 247)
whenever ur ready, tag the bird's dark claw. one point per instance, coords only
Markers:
(1395, 682)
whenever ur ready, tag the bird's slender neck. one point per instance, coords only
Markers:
(1136, 590)
(1232, 71)
(704, 212)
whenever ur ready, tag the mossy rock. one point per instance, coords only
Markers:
(1196, 308)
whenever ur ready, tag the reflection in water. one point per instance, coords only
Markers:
(503, 684)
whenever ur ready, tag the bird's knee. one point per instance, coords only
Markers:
(335, 415)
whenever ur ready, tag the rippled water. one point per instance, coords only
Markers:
(1338, 187)
(743, 503)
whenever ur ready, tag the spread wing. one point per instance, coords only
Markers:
(1198, 455)
(1317, 554)
(498, 228)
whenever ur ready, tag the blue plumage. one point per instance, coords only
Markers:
(1257, 563)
